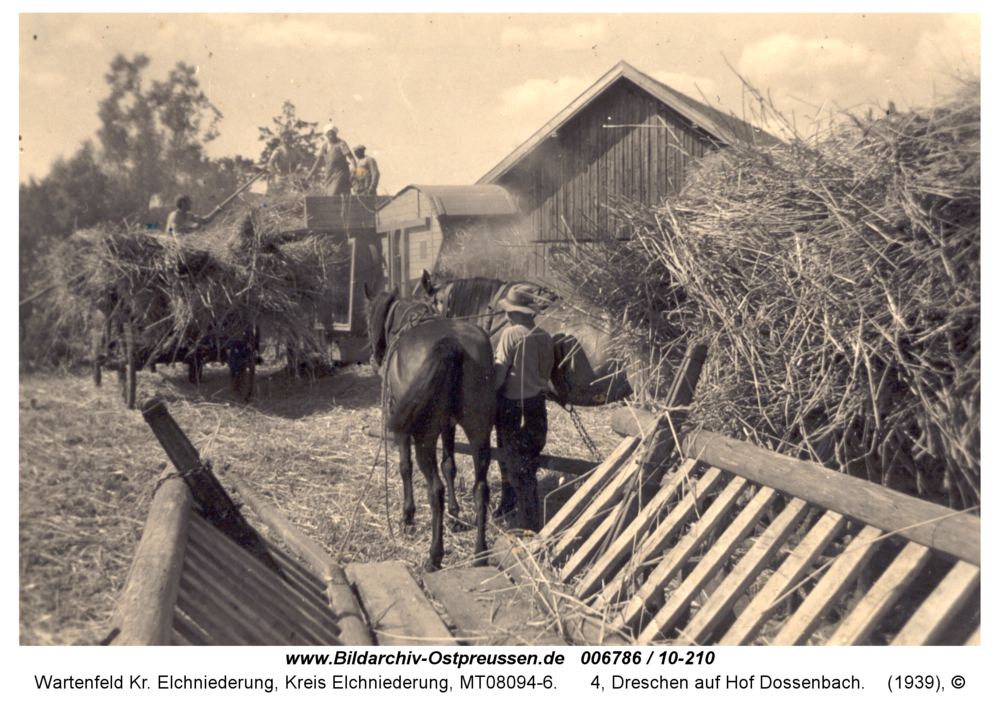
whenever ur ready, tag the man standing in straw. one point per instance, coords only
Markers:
(522, 366)
(335, 155)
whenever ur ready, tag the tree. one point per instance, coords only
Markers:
(153, 140)
(75, 194)
(189, 120)
(129, 139)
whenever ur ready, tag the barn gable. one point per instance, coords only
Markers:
(628, 136)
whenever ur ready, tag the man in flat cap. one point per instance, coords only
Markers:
(522, 367)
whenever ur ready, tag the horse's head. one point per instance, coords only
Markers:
(424, 289)
(378, 309)
(434, 294)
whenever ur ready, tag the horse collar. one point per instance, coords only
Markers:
(414, 314)
(389, 316)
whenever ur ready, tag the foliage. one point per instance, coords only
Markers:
(298, 135)
(153, 140)
(149, 148)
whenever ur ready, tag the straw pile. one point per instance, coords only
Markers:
(838, 284)
(250, 268)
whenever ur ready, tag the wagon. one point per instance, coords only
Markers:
(132, 332)
(350, 220)
(321, 313)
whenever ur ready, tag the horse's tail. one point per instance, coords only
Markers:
(436, 387)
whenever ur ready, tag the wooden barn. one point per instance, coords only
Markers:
(628, 136)
(423, 225)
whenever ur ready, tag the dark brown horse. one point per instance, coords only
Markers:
(585, 373)
(436, 373)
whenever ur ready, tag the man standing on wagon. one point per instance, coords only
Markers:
(283, 163)
(366, 176)
(522, 366)
(335, 154)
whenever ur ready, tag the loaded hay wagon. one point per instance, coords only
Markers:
(677, 537)
(136, 330)
(291, 270)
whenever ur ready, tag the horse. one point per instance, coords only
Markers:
(436, 373)
(585, 374)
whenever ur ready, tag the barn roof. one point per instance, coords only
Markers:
(468, 200)
(726, 129)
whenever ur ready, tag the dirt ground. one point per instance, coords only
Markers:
(87, 466)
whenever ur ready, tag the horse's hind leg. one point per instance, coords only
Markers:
(481, 492)
(448, 470)
(406, 474)
(427, 461)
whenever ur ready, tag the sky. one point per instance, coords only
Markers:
(443, 98)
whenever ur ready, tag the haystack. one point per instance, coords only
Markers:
(254, 267)
(837, 282)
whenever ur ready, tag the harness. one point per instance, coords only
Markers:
(500, 293)
(401, 317)
(409, 315)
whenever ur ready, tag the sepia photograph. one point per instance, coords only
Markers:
(507, 331)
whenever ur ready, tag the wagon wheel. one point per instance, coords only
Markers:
(129, 367)
(243, 381)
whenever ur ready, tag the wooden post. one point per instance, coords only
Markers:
(633, 422)
(215, 505)
(664, 436)
(145, 614)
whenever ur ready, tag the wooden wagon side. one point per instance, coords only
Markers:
(190, 584)
(203, 576)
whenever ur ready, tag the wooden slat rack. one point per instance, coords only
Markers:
(692, 540)
(736, 545)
